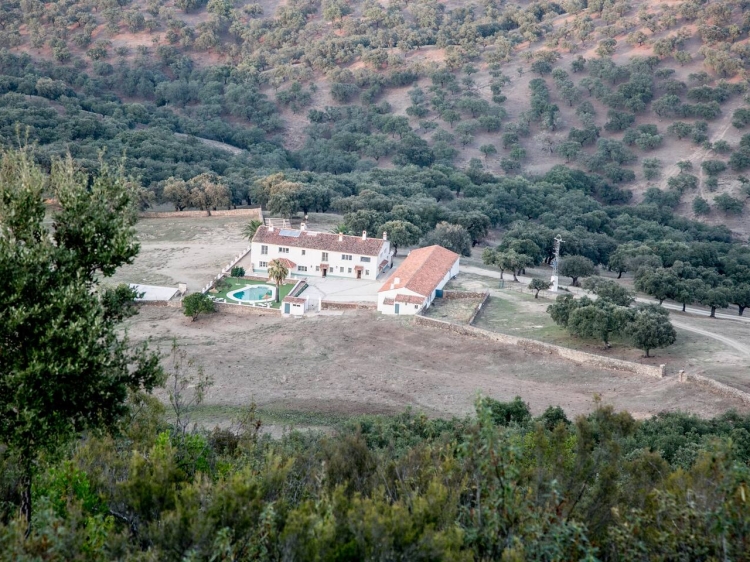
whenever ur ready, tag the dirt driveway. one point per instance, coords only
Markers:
(367, 363)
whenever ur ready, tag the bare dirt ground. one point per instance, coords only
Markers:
(352, 364)
(188, 250)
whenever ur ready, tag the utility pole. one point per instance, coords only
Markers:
(556, 262)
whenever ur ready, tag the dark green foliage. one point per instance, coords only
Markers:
(618, 120)
(650, 328)
(196, 304)
(609, 290)
(713, 167)
(740, 160)
(451, 236)
(682, 182)
(237, 272)
(728, 204)
(576, 267)
(701, 206)
(66, 367)
(507, 413)
(741, 117)
(537, 284)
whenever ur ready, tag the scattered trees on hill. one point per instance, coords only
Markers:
(507, 260)
(647, 327)
(537, 284)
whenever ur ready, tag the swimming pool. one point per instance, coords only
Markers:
(253, 293)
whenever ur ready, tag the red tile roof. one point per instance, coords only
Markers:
(295, 300)
(422, 270)
(388, 301)
(289, 264)
(410, 299)
(323, 241)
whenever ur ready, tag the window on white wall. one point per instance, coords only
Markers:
(303, 252)
(264, 250)
(341, 269)
(350, 270)
(367, 272)
(283, 250)
(346, 257)
(364, 259)
(263, 264)
(302, 268)
(325, 256)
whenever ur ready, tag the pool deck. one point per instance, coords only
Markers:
(236, 284)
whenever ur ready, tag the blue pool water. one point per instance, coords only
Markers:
(257, 293)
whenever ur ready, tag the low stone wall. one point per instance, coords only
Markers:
(333, 305)
(192, 214)
(255, 278)
(478, 308)
(716, 386)
(176, 303)
(540, 347)
(245, 310)
(452, 295)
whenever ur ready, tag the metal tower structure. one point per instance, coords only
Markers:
(556, 262)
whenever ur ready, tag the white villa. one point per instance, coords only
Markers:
(418, 280)
(320, 254)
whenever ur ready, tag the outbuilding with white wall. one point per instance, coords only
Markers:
(418, 281)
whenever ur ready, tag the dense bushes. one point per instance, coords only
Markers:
(394, 487)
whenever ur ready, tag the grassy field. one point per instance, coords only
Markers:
(519, 314)
(453, 310)
(232, 284)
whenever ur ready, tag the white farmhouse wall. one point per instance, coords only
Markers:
(444, 281)
(311, 260)
(404, 308)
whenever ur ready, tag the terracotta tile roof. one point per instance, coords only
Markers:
(358, 268)
(323, 241)
(410, 299)
(295, 300)
(289, 264)
(388, 301)
(422, 270)
(383, 264)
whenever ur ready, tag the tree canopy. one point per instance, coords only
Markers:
(65, 365)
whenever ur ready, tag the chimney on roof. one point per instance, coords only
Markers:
(303, 227)
(385, 235)
(341, 236)
(270, 227)
(397, 280)
(364, 235)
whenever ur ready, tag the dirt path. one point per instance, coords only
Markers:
(742, 348)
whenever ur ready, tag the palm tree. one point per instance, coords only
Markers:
(340, 229)
(251, 228)
(277, 272)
